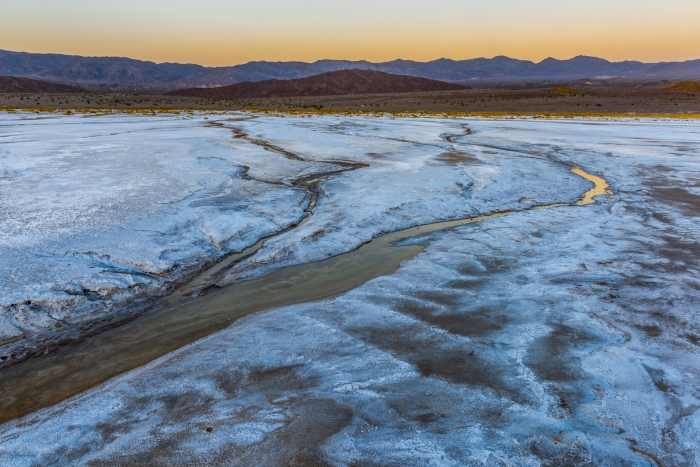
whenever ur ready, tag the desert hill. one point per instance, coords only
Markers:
(684, 86)
(565, 90)
(326, 84)
(15, 84)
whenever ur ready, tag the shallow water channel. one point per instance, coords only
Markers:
(181, 318)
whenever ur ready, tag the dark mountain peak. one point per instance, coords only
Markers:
(333, 61)
(401, 60)
(579, 59)
(588, 59)
(352, 81)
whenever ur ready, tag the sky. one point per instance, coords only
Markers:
(228, 32)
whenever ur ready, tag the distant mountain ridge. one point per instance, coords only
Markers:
(126, 73)
(333, 83)
(15, 84)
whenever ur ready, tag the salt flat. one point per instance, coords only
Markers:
(96, 210)
(561, 336)
(100, 213)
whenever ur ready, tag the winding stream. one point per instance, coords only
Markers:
(187, 315)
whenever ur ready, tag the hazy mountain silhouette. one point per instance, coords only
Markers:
(125, 73)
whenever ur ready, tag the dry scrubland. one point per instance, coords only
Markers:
(565, 99)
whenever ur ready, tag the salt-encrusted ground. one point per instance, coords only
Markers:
(95, 211)
(415, 177)
(567, 336)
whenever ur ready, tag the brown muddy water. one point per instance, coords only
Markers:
(185, 316)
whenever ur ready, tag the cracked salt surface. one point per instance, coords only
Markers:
(95, 210)
(414, 178)
(99, 212)
(566, 336)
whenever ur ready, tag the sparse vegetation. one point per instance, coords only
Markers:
(618, 100)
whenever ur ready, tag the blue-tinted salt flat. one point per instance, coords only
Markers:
(561, 336)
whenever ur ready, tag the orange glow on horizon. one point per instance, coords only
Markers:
(379, 30)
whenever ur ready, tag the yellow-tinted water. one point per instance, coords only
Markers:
(600, 187)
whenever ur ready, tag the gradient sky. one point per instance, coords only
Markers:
(227, 32)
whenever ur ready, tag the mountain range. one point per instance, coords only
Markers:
(129, 74)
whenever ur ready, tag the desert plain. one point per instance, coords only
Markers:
(336, 289)
(582, 99)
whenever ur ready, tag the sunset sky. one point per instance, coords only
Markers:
(228, 32)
